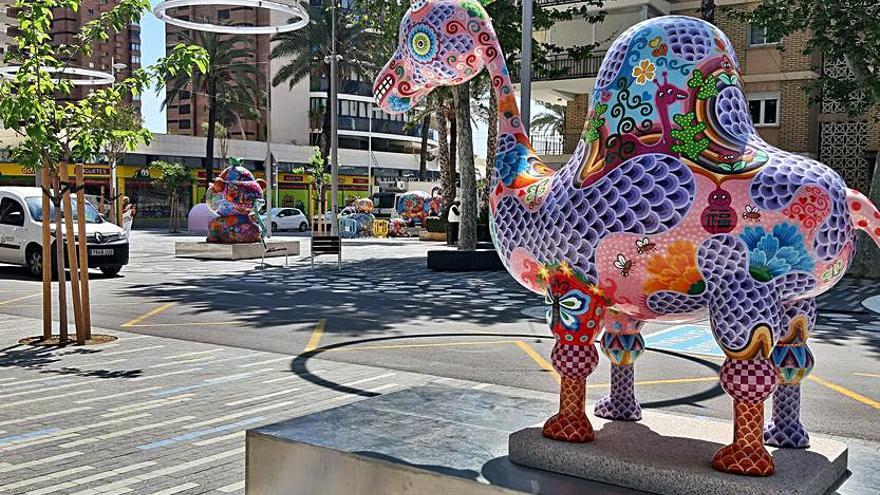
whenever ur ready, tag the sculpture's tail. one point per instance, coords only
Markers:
(864, 214)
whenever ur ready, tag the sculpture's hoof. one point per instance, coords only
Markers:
(569, 428)
(786, 436)
(746, 460)
(619, 410)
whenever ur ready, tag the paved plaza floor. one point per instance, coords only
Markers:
(209, 349)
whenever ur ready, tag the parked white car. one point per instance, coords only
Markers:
(287, 219)
(21, 233)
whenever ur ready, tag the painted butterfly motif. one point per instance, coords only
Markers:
(728, 79)
(707, 84)
(659, 48)
(571, 305)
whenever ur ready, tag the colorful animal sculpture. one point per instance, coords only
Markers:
(416, 206)
(233, 196)
(671, 208)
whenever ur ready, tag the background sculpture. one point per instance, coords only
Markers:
(234, 196)
(671, 208)
(415, 206)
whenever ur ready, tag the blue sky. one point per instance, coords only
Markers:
(152, 48)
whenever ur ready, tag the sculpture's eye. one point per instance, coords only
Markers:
(423, 43)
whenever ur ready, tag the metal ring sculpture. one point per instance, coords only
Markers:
(98, 78)
(295, 10)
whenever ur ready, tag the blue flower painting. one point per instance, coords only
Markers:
(399, 104)
(776, 253)
(511, 160)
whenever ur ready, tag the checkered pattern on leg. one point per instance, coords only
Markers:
(749, 380)
(574, 361)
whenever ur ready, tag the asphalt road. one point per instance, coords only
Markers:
(385, 308)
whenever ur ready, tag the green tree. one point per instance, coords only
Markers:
(55, 132)
(551, 121)
(320, 181)
(306, 52)
(174, 179)
(846, 30)
(231, 84)
(122, 131)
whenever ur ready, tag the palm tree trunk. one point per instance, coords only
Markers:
(468, 227)
(491, 143)
(423, 158)
(212, 129)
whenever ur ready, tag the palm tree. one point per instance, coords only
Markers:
(552, 121)
(307, 53)
(231, 84)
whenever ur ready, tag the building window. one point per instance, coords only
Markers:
(135, 47)
(758, 36)
(135, 59)
(223, 14)
(136, 97)
(183, 124)
(183, 109)
(764, 108)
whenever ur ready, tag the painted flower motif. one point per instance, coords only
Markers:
(644, 72)
(776, 253)
(511, 159)
(423, 43)
(676, 271)
(398, 104)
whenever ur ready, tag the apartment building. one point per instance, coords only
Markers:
(8, 25)
(119, 56)
(774, 82)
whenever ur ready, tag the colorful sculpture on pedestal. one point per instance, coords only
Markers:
(415, 206)
(360, 212)
(234, 196)
(671, 208)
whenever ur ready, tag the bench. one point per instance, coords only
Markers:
(327, 244)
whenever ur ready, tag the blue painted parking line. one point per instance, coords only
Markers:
(691, 339)
(28, 436)
(200, 433)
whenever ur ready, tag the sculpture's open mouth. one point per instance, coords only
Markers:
(381, 90)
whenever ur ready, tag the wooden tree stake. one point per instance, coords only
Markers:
(73, 263)
(46, 240)
(59, 256)
(83, 251)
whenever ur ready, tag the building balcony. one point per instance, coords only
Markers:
(358, 88)
(562, 66)
(555, 144)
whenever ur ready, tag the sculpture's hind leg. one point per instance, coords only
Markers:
(743, 312)
(793, 361)
(622, 344)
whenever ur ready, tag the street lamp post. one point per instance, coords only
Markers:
(269, 174)
(114, 201)
(525, 67)
(370, 152)
(334, 135)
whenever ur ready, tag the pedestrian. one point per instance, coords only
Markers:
(452, 221)
(129, 211)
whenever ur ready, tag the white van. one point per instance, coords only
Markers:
(21, 233)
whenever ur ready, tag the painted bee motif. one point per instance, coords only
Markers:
(752, 214)
(645, 245)
(624, 265)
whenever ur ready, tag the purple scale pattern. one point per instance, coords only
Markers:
(669, 303)
(785, 429)
(621, 404)
(732, 114)
(737, 302)
(614, 59)
(687, 38)
(776, 185)
(647, 194)
(439, 14)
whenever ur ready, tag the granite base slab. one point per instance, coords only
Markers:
(233, 252)
(431, 440)
(671, 455)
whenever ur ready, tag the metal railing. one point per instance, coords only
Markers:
(359, 88)
(563, 66)
(555, 144)
(550, 3)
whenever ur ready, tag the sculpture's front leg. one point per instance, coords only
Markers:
(577, 309)
(622, 344)
(574, 363)
(793, 361)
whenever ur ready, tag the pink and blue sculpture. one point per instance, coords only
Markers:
(234, 196)
(671, 208)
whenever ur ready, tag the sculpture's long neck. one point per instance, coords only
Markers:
(510, 126)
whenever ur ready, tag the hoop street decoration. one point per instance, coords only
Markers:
(294, 10)
(96, 77)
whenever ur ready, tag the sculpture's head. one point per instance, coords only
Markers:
(441, 43)
(235, 191)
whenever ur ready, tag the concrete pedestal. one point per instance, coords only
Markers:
(671, 455)
(232, 252)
